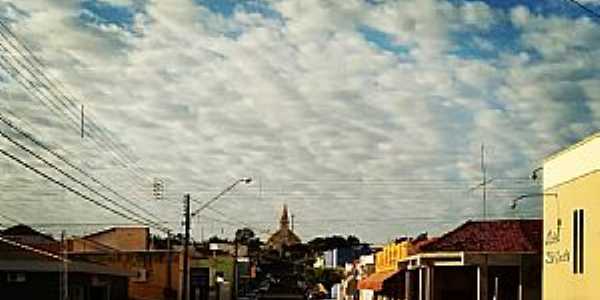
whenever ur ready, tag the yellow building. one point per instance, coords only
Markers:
(388, 258)
(571, 227)
(388, 280)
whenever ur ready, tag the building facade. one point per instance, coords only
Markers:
(31, 267)
(479, 260)
(571, 192)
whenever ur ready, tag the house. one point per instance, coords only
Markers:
(359, 269)
(158, 271)
(31, 272)
(131, 238)
(570, 198)
(479, 260)
(387, 280)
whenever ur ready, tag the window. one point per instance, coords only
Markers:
(578, 241)
(16, 277)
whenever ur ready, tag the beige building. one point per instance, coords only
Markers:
(571, 230)
(121, 238)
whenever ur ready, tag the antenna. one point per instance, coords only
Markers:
(82, 123)
(484, 183)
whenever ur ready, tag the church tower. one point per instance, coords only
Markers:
(284, 236)
(285, 221)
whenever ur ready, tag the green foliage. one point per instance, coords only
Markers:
(244, 235)
(320, 244)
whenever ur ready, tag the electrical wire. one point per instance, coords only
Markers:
(78, 193)
(52, 88)
(70, 164)
(587, 9)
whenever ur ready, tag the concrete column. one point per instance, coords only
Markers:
(428, 283)
(421, 296)
(407, 284)
(482, 280)
(520, 297)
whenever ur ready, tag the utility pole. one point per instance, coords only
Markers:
(169, 262)
(235, 272)
(186, 243)
(65, 275)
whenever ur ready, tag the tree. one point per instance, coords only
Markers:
(320, 244)
(353, 241)
(216, 239)
(244, 235)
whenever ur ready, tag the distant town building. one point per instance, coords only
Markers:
(130, 238)
(489, 259)
(570, 199)
(31, 267)
(284, 236)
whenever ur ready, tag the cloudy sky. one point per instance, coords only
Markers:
(365, 116)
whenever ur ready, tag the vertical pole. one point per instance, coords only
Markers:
(65, 279)
(186, 243)
(483, 171)
(169, 261)
(235, 272)
(61, 277)
(496, 287)
(421, 284)
(82, 123)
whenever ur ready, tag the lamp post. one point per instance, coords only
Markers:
(245, 180)
(515, 201)
(188, 216)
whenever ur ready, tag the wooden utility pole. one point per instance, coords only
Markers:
(169, 261)
(65, 274)
(186, 243)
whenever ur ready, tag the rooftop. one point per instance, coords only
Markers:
(510, 235)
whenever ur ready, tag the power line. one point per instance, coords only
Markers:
(61, 158)
(76, 192)
(10, 218)
(31, 249)
(61, 171)
(54, 91)
(587, 9)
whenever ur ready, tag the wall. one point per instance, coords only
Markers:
(124, 239)
(455, 283)
(388, 258)
(153, 262)
(45, 285)
(215, 264)
(560, 282)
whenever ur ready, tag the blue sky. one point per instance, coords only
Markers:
(374, 110)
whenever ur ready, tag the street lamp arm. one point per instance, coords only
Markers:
(514, 202)
(215, 198)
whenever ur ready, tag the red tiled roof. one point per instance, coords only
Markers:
(491, 236)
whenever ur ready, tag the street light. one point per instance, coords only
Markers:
(244, 180)
(185, 281)
(514, 202)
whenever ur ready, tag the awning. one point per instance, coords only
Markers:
(375, 281)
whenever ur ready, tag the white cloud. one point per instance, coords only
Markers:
(307, 105)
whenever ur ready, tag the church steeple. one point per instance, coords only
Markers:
(284, 222)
